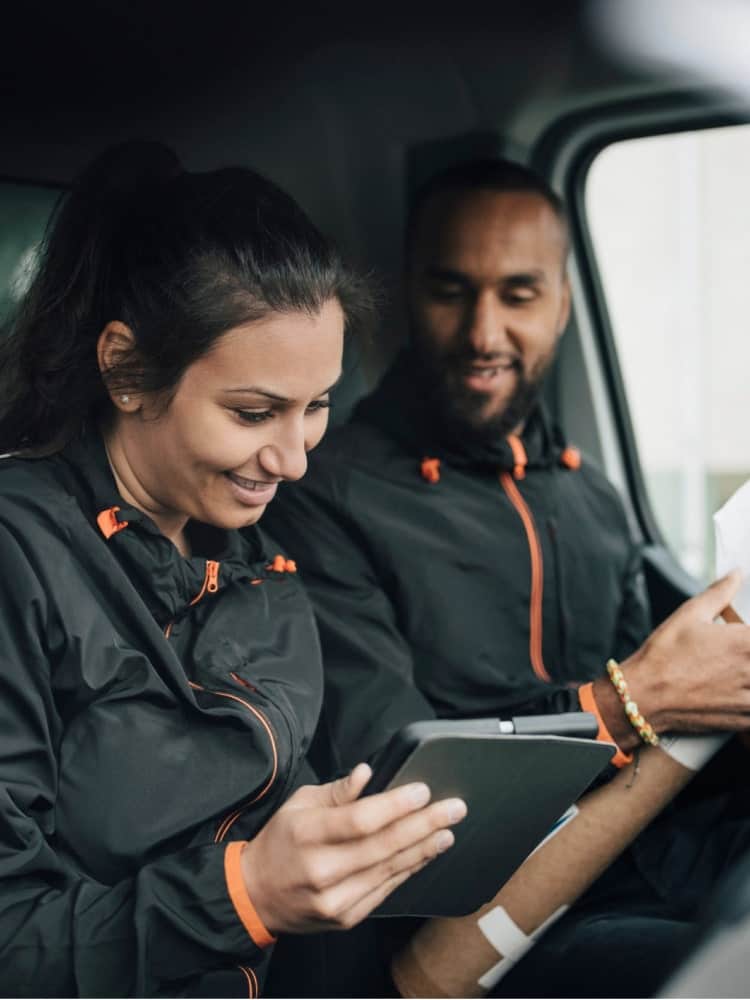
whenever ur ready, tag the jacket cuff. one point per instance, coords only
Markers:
(240, 898)
(588, 704)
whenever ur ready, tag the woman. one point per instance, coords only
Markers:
(169, 368)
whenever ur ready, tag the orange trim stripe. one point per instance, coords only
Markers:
(227, 822)
(537, 576)
(588, 704)
(241, 900)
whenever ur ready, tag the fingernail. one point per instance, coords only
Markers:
(418, 795)
(456, 809)
(444, 840)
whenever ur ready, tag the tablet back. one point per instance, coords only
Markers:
(516, 789)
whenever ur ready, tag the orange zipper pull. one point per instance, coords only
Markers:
(430, 469)
(212, 576)
(519, 456)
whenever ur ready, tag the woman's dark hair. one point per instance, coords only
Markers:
(180, 258)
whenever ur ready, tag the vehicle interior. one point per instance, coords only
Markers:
(349, 106)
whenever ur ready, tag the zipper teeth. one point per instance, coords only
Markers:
(227, 822)
(537, 579)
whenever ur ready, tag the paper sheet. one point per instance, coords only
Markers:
(732, 531)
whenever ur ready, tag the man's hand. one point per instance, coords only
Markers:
(327, 858)
(691, 675)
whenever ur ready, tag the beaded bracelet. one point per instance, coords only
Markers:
(644, 729)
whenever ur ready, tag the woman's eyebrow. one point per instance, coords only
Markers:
(257, 390)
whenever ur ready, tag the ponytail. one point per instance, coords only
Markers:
(180, 258)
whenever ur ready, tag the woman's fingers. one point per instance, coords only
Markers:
(326, 850)
(336, 862)
(350, 900)
(333, 793)
(369, 815)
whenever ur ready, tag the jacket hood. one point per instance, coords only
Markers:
(401, 410)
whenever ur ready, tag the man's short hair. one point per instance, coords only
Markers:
(483, 175)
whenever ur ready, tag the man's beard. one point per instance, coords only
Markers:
(460, 412)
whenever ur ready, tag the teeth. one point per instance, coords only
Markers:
(248, 484)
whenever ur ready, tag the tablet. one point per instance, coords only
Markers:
(516, 787)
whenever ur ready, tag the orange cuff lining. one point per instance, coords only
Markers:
(239, 895)
(588, 704)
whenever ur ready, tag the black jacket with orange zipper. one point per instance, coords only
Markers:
(452, 581)
(155, 711)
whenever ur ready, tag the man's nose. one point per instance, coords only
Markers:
(486, 332)
(285, 456)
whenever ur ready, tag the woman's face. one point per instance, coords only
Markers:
(241, 421)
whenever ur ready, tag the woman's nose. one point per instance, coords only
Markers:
(285, 457)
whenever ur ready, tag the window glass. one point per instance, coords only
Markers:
(24, 211)
(670, 222)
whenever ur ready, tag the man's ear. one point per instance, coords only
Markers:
(564, 307)
(116, 341)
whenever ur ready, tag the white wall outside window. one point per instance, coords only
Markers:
(670, 222)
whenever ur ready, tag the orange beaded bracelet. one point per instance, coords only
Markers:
(644, 729)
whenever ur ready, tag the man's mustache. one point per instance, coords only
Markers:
(468, 359)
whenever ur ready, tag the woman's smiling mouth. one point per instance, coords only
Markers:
(251, 492)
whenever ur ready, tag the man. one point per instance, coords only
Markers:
(463, 560)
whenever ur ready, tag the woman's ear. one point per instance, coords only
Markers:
(117, 341)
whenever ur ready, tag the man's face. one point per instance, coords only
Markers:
(488, 300)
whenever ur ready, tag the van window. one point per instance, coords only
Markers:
(24, 210)
(669, 218)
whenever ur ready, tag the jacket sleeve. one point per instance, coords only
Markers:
(61, 932)
(369, 680)
(634, 619)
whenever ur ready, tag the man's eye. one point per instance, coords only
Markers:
(520, 298)
(253, 416)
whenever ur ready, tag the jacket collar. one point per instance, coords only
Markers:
(167, 581)
(398, 409)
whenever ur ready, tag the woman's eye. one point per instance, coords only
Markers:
(253, 416)
(319, 404)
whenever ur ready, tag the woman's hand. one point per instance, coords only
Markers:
(691, 675)
(327, 858)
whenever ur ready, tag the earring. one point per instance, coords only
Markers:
(125, 399)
